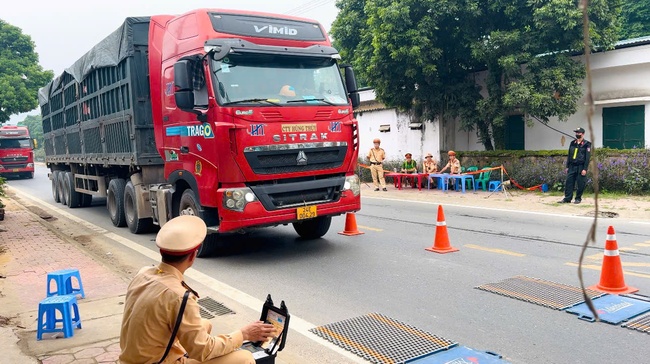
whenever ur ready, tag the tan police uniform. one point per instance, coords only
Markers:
(152, 303)
(377, 157)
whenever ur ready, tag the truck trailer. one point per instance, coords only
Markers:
(244, 119)
(16, 152)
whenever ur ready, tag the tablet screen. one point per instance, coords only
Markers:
(277, 320)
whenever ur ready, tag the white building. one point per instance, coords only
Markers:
(621, 89)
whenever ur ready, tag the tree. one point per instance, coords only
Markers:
(635, 19)
(35, 125)
(20, 73)
(425, 56)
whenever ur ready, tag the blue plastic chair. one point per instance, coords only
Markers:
(63, 279)
(47, 317)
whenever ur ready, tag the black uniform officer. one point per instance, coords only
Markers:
(576, 167)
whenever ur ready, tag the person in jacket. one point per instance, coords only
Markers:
(577, 164)
(153, 301)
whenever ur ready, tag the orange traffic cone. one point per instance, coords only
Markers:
(350, 225)
(441, 240)
(611, 275)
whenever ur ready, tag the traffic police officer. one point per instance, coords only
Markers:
(154, 299)
(577, 164)
(376, 155)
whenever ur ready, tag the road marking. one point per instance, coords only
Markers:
(551, 214)
(627, 249)
(494, 250)
(643, 244)
(299, 325)
(597, 267)
(370, 228)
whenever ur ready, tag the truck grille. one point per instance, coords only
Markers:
(12, 166)
(299, 193)
(13, 159)
(292, 158)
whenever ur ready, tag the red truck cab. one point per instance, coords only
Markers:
(16, 152)
(251, 111)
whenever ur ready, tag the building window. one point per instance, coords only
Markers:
(623, 127)
(515, 136)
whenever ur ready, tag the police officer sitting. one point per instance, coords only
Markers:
(154, 299)
(577, 164)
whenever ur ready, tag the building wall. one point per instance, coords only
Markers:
(620, 77)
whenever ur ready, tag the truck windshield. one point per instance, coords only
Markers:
(259, 79)
(14, 143)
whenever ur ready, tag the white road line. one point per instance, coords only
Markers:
(501, 210)
(297, 324)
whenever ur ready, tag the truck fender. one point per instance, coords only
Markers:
(187, 177)
(142, 201)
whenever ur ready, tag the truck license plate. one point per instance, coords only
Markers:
(307, 212)
(16, 169)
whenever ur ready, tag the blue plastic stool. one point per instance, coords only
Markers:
(63, 279)
(47, 320)
(494, 186)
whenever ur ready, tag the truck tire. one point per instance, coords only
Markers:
(135, 224)
(55, 189)
(73, 198)
(60, 186)
(189, 205)
(313, 228)
(86, 200)
(115, 201)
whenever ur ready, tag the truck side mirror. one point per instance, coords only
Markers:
(351, 85)
(184, 92)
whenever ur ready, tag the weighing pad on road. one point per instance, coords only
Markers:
(541, 292)
(460, 355)
(382, 340)
(612, 309)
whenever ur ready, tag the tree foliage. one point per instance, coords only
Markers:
(430, 55)
(636, 19)
(34, 124)
(20, 73)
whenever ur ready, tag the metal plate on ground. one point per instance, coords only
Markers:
(641, 323)
(460, 355)
(611, 309)
(539, 291)
(213, 307)
(382, 340)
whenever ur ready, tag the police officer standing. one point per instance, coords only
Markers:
(150, 330)
(376, 155)
(576, 167)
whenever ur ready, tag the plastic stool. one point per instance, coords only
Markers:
(47, 321)
(63, 279)
(494, 186)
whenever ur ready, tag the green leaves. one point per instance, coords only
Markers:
(20, 74)
(425, 56)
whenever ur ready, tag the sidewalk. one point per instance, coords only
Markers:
(30, 247)
(632, 207)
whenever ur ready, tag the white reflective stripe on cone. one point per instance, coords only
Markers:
(441, 223)
(611, 237)
(611, 253)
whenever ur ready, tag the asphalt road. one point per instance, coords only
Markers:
(387, 270)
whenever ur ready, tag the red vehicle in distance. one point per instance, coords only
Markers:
(16, 152)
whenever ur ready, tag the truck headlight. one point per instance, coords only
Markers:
(30, 165)
(353, 184)
(236, 199)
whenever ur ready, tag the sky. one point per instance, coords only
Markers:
(64, 30)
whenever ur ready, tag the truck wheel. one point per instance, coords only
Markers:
(55, 189)
(73, 198)
(189, 205)
(136, 225)
(86, 200)
(60, 186)
(313, 228)
(115, 201)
